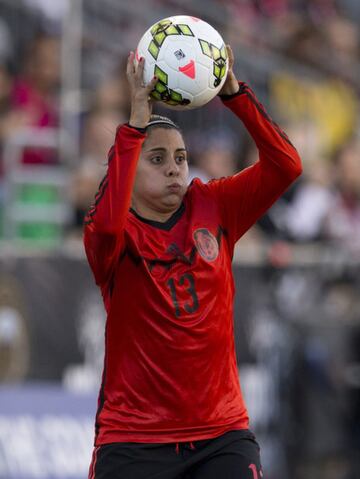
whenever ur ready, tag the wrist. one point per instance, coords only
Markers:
(138, 121)
(240, 90)
(137, 124)
(231, 88)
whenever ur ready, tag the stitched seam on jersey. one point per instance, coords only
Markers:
(250, 94)
(111, 154)
(100, 192)
(103, 186)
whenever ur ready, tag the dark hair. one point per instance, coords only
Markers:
(158, 121)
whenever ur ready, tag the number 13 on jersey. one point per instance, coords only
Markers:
(186, 283)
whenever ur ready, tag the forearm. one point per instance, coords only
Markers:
(112, 202)
(275, 149)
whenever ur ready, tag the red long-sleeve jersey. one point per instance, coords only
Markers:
(170, 371)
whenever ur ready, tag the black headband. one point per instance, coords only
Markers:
(162, 122)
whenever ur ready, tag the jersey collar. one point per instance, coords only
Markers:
(168, 224)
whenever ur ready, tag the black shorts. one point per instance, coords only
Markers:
(234, 455)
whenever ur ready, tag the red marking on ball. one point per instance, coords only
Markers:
(189, 69)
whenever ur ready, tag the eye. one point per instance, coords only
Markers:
(180, 159)
(156, 160)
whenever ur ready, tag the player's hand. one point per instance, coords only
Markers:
(140, 101)
(231, 85)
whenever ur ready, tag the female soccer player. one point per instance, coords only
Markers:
(170, 404)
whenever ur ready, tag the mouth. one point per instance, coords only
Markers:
(174, 186)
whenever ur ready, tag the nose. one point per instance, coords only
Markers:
(173, 169)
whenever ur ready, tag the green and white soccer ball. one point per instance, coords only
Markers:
(188, 56)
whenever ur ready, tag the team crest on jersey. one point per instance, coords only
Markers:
(206, 244)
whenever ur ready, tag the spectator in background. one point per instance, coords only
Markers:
(5, 92)
(342, 40)
(33, 99)
(5, 89)
(342, 220)
(6, 51)
(326, 204)
(303, 216)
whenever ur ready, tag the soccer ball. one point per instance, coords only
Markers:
(189, 58)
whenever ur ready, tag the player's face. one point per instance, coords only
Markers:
(162, 172)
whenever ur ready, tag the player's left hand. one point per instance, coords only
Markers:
(231, 85)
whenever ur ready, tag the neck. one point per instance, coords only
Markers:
(152, 214)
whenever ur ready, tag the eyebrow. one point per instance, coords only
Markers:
(164, 149)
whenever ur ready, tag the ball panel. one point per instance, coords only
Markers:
(172, 80)
(179, 52)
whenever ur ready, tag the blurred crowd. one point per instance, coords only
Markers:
(302, 57)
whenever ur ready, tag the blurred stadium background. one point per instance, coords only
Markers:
(62, 93)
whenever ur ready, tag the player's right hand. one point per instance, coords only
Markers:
(141, 103)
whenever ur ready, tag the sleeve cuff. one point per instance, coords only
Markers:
(140, 130)
(241, 91)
